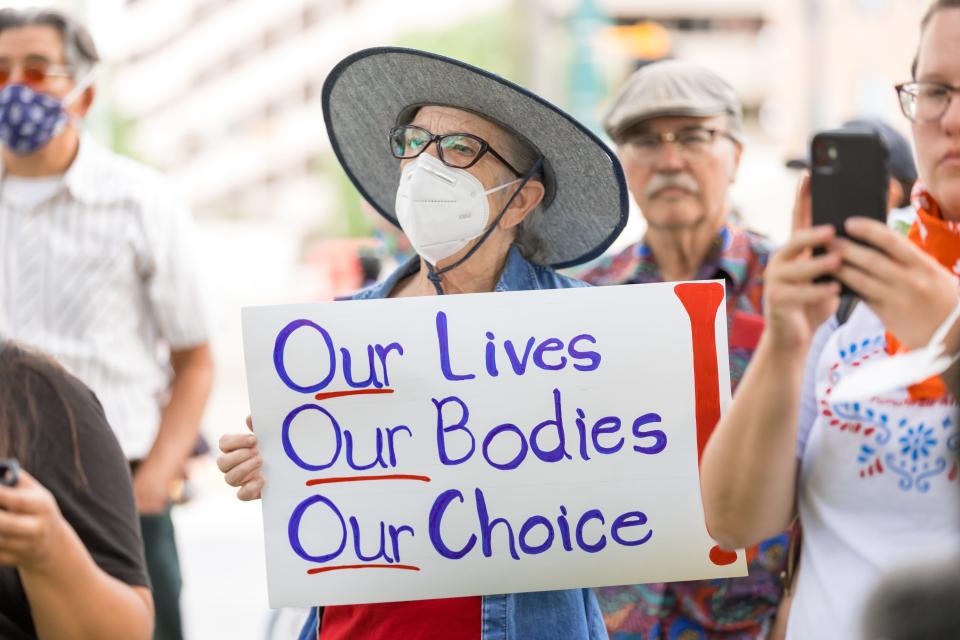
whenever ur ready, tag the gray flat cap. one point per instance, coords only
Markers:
(372, 90)
(673, 88)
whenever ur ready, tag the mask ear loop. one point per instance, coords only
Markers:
(73, 94)
(79, 88)
(433, 275)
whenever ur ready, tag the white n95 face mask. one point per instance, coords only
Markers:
(440, 208)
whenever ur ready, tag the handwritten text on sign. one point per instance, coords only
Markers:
(492, 443)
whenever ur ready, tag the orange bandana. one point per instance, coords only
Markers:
(940, 239)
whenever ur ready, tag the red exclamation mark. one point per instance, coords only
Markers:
(701, 301)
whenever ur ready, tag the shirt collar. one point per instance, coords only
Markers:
(724, 258)
(76, 178)
(517, 275)
(383, 289)
(79, 178)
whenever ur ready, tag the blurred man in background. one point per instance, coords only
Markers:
(679, 135)
(95, 269)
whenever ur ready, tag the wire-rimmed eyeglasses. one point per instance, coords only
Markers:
(925, 101)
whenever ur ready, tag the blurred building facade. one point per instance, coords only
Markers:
(798, 65)
(225, 94)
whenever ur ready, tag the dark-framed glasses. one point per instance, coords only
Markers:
(33, 71)
(692, 141)
(925, 101)
(458, 150)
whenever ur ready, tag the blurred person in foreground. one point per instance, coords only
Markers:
(903, 171)
(71, 558)
(875, 482)
(96, 270)
(678, 132)
(490, 196)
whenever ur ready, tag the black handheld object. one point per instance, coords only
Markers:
(849, 176)
(9, 472)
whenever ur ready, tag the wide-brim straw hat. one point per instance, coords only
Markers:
(373, 90)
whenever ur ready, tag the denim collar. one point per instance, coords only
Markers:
(517, 275)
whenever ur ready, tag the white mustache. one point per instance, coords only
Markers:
(681, 180)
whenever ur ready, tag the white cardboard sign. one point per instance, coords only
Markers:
(492, 443)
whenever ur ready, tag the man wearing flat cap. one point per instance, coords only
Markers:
(678, 132)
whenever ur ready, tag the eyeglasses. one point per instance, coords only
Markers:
(692, 141)
(34, 72)
(458, 150)
(925, 101)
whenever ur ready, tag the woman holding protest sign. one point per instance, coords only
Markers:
(835, 423)
(493, 186)
(71, 557)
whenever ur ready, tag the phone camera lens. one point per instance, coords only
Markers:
(824, 154)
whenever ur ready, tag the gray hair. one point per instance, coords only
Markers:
(79, 50)
(522, 156)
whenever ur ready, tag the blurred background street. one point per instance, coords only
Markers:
(224, 97)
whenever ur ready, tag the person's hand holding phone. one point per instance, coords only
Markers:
(908, 290)
(31, 526)
(850, 176)
(795, 305)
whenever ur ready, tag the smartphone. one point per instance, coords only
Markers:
(9, 472)
(849, 176)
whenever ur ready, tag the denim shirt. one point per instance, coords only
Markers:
(570, 613)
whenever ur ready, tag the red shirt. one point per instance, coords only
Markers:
(451, 618)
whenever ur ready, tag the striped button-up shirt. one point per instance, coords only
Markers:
(99, 273)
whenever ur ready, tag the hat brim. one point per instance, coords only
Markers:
(367, 91)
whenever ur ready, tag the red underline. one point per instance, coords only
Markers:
(406, 567)
(353, 392)
(396, 476)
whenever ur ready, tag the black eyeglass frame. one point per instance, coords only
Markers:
(904, 89)
(438, 138)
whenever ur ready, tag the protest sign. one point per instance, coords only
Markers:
(491, 443)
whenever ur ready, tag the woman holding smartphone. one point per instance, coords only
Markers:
(874, 482)
(71, 557)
